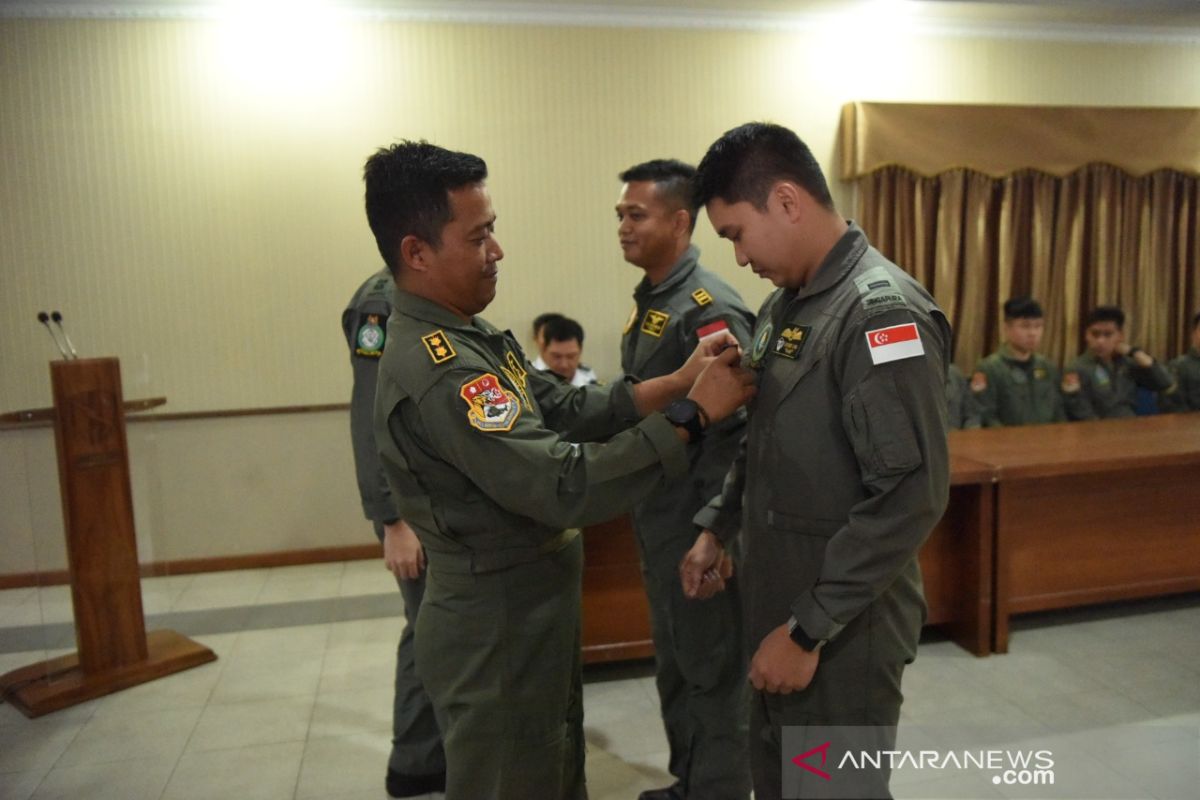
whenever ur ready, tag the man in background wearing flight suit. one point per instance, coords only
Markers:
(1103, 381)
(699, 664)
(1015, 385)
(416, 765)
(494, 465)
(845, 469)
(1184, 394)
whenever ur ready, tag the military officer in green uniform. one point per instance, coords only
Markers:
(845, 467)
(1103, 381)
(699, 664)
(1015, 385)
(493, 465)
(416, 765)
(1184, 393)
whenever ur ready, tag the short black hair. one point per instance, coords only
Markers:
(748, 160)
(674, 180)
(408, 193)
(1024, 307)
(541, 320)
(563, 329)
(1106, 314)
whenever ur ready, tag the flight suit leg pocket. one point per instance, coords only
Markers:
(879, 427)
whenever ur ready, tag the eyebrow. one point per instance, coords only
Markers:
(725, 231)
(483, 226)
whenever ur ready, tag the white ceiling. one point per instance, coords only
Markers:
(1102, 19)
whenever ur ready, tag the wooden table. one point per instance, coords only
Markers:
(1089, 512)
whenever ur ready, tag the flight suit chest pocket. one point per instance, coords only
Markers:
(879, 427)
(794, 352)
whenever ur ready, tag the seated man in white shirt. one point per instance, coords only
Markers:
(560, 340)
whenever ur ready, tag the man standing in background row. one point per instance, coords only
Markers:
(1015, 385)
(699, 662)
(416, 765)
(1103, 381)
(1184, 394)
(844, 471)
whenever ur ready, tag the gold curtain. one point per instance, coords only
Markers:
(1096, 236)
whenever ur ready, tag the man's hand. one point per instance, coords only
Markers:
(705, 568)
(708, 348)
(781, 666)
(723, 386)
(402, 552)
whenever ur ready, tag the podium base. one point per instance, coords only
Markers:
(60, 682)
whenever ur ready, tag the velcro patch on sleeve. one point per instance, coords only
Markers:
(489, 407)
(369, 341)
(711, 328)
(439, 347)
(894, 343)
(979, 381)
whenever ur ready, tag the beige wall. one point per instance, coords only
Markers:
(205, 225)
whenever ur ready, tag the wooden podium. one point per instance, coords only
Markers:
(114, 650)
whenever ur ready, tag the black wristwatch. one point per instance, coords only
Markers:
(803, 639)
(685, 414)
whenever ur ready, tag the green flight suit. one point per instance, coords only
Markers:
(490, 462)
(1184, 394)
(961, 405)
(844, 473)
(1015, 392)
(416, 741)
(699, 661)
(1110, 390)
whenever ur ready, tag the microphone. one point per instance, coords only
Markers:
(57, 317)
(44, 318)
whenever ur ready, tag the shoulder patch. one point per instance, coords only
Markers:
(711, 328)
(1070, 382)
(489, 407)
(874, 280)
(894, 343)
(369, 340)
(655, 322)
(702, 297)
(978, 381)
(439, 347)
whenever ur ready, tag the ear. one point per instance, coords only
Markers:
(791, 199)
(681, 222)
(414, 251)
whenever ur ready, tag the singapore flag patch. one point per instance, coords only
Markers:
(894, 343)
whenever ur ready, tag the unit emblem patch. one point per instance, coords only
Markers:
(489, 407)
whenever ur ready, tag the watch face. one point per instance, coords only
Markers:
(680, 412)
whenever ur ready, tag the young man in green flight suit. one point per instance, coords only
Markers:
(416, 764)
(494, 465)
(844, 471)
(1015, 385)
(699, 664)
(1103, 381)
(1184, 394)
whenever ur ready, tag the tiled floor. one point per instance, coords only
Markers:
(298, 703)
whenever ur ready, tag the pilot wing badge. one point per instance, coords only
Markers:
(489, 407)
(894, 343)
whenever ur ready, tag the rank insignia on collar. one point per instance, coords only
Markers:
(489, 407)
(439, 347)
(629, 323)
(370, 338)
(702, 297)
(790, 340)
(655, 322)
